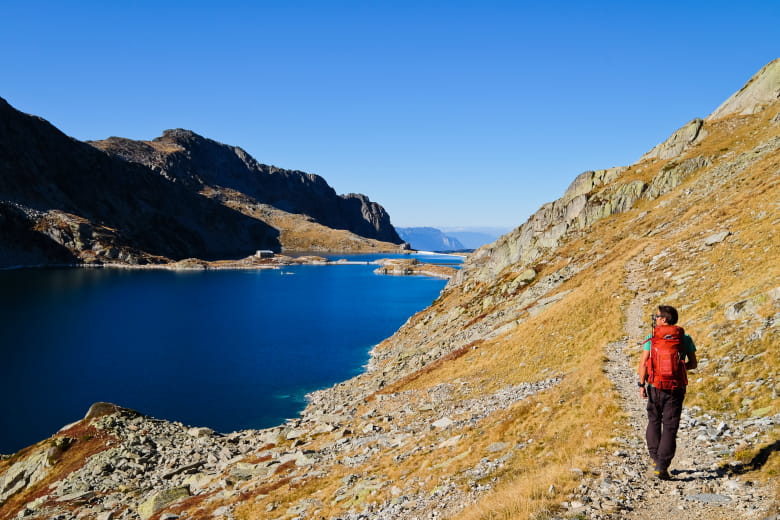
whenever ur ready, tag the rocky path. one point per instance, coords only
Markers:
(701, 487)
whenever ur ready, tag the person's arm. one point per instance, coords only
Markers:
(690, 357)
(641, 370)
(691, 363)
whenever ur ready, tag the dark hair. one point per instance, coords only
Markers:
(669, 313)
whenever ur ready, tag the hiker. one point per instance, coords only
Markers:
(668, 353)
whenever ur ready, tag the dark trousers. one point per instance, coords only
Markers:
(664, 408)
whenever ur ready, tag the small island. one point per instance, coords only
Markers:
(412, 266)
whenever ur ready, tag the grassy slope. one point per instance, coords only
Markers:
(300, 232)
(572, 425)
(744, 266)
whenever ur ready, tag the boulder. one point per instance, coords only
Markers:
(673, 174)
(200, 432)
(444, 422)
(160, 500)
(716, 238)
(452, 441)
(245, 471)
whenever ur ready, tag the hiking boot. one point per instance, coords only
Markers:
(653, 469)
(662, 474)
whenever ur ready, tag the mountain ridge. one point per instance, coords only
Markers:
(63, 201)
(198, 162)
(429, 239)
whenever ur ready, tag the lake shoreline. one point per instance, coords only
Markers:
(387, 266)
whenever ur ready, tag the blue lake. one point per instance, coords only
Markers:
(225, 349)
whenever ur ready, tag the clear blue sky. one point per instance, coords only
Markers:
(447, 113)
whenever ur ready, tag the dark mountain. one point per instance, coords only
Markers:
(200, 163)
(179, 196)
(62, 200)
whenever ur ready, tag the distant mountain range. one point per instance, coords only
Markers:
(475, 237)
(429, 239)
(178, 196)
(450, 239)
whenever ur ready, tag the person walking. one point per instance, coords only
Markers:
(666, 357)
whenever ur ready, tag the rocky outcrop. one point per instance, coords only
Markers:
(376, 221)
(580, 205)
(761, 90)
(680, 140)
(22, 474)
(198, 163)
(22, 244)
(591, 197)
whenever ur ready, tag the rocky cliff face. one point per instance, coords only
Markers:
(199, 163)
(513, 395)
(762, 90)
(61, 199)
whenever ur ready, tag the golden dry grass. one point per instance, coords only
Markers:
(569, 337)
(573, 424)
(299, 232)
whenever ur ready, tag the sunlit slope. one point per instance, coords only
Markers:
(703, 227)
(494, 402)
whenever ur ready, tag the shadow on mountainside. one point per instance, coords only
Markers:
(59, 191)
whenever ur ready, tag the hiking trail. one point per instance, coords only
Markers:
(704, 485)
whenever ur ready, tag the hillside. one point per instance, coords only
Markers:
(63, 201)
(66, 202)
(510, 397)
(234, 177)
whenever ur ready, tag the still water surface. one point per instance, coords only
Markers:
(224, 349)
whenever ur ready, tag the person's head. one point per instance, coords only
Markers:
(668, 313)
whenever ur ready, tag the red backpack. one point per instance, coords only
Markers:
(666, 364)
